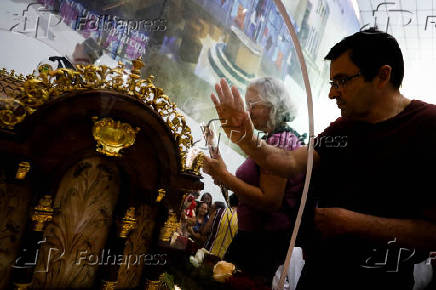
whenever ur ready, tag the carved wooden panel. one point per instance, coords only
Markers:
(14, 207)
(87, 196)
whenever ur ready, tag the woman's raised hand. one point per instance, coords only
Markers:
(235, 120)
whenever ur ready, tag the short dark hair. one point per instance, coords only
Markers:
(370, 50)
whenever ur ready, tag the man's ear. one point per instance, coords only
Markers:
(384, 75)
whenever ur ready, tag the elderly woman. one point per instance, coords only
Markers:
(267, 203)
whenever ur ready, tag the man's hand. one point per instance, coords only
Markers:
(235, 120)
(215, 167)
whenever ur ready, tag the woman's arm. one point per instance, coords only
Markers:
(268, 196)
(198, 237)
(205, 230)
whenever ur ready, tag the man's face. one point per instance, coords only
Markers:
(352, 93)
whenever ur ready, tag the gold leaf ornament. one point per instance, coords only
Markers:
(160, 195)
(128, 223)
(43, 213)
(112, 136)
(23, 169)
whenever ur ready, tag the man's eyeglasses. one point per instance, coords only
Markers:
(341, 82)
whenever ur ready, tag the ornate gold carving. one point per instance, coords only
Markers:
(23, 169)
(128, 223)
(197, 163)
(43, 213)
(157, 284)
(109, 285)
(51, 84)
(112, 136)
(160, 195)
(194, 161)
(169, 227)
(154, 285)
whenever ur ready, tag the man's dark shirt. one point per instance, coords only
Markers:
(382, 169)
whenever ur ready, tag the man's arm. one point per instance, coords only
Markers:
(409, 233)
(278, 161)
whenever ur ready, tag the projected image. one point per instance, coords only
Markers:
(189, 45)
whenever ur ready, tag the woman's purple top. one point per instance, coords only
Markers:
(250, 219)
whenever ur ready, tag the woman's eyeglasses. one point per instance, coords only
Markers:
(250, 105)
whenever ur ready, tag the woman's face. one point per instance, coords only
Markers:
(203, 209)
(259, 110)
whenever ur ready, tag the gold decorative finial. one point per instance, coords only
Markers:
(23, 169)
(128, 223)
(137, 65)
(169, 227)
(43, 213)
(112, 136)
(160, 195)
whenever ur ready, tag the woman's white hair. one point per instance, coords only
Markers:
(272, 91)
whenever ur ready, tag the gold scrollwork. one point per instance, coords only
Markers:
(160, 195)
(50, 84)
(112, 136)
(43, 213)
(23, 169)
(128, 223)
